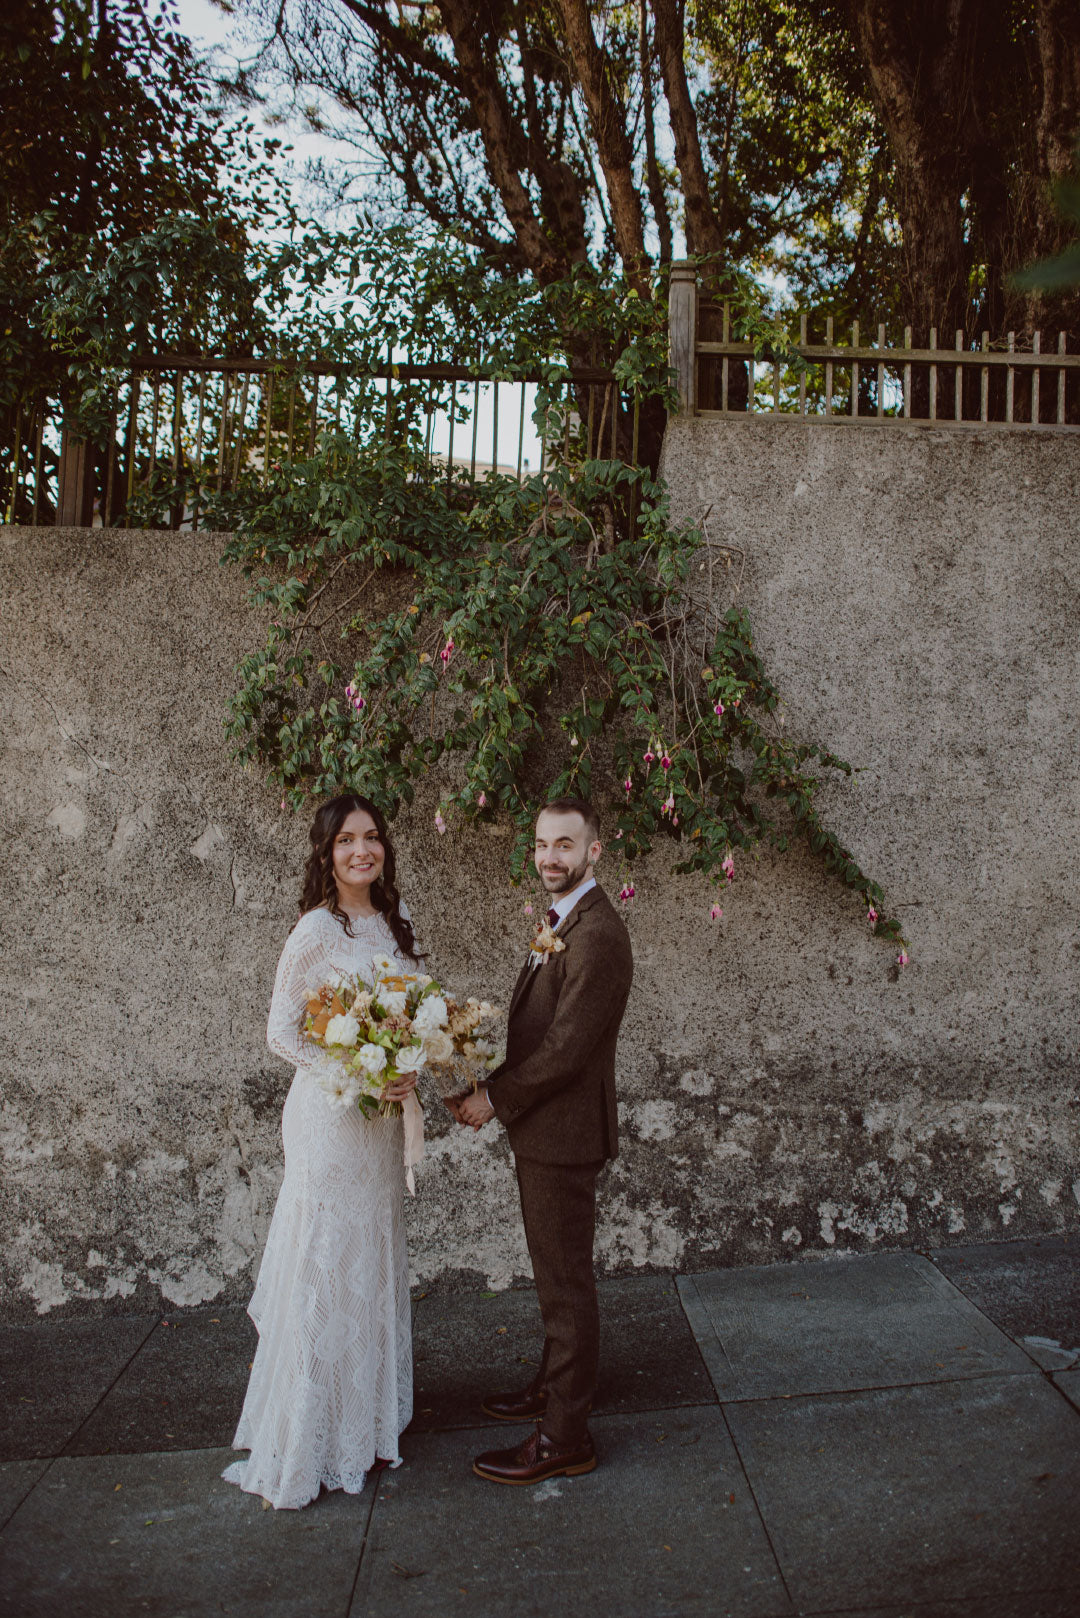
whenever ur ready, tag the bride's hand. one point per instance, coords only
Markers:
(401, 1087)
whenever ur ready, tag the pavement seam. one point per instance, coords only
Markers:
(761, 1515)
(128, 1363)
(1016, 1342)
(360, 1559)
(49, 1463)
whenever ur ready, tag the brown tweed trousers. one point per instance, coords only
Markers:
(555, 1093)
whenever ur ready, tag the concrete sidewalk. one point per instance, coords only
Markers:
(891, 1434)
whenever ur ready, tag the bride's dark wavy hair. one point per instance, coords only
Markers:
(320, 884)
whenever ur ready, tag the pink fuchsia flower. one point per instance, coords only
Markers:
(283, 803)
(350, 690)
(727, 865)
(448, 650)
(668, 805)
(358, 703)
(674, 820)
(628, 784)
(481, 801)
(718, 708)
(715, 912)
(440, 823)
(626, 893)
(903, 958)
(528, 909)
(648, 755)
(665, 762)
(871, 916)
(618, 834)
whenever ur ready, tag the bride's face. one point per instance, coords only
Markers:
(359, 855)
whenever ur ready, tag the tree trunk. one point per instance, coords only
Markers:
(609, 129)
(501, 138)
(652, 168)
(1058, 28)
(918, 54)
(702, 227)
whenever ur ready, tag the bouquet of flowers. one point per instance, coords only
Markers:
(370, 1034)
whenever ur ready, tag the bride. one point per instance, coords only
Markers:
(331, 1385)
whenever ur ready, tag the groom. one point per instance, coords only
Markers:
(555, 1093)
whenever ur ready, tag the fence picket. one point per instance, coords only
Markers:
(958, 383)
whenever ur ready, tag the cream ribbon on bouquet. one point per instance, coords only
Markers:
(369, 1035)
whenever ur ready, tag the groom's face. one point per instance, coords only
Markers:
(564, 856)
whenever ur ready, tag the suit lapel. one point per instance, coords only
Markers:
(529, 971)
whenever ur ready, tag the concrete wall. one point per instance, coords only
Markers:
(784, 1089)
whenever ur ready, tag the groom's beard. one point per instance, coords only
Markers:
(558, 881)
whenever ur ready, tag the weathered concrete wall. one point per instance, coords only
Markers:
(783, 1089)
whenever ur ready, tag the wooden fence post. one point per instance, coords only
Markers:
(682, 332)
(75, 497)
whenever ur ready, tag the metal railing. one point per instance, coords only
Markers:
(183, 432)
(858, 383)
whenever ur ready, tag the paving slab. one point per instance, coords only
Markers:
(54, 1373)
(654, 1531)
(1030, 1288)
(873, 1320)
(960, 1490)
(1069, 1383)
(1048, 1604)
(183, 1390)
(466, 1345)
(17, 1478)
(174, 1541)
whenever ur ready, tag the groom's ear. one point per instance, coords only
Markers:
(595, 851)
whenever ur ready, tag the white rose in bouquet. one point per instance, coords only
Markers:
(410, 1059)
(393, 1001)
(342, 1030)
(431, 1014)
(438, 1046)
(340, 1087)
(372, 1058)
(382, 964)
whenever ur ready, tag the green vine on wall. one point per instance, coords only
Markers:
(514, 641)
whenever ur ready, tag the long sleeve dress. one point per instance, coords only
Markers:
(331, 1384)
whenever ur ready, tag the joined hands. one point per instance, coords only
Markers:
(470, 1108)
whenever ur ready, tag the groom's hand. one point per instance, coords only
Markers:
(475, 1110)
(454, 1105)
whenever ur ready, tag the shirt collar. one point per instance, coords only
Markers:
(566, 901)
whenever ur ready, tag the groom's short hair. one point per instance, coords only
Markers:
(576, 806)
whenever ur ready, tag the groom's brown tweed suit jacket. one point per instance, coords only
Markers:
(555, 1092)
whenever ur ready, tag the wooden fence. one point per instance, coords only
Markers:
(182, 431)
(858, 383)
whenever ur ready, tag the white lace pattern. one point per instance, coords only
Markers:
(331, 1384)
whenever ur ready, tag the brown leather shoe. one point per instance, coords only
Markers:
(524, 1406)
(535, 1460)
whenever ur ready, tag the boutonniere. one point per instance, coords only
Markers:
(545, 943)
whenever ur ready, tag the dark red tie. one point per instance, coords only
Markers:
(553, 916)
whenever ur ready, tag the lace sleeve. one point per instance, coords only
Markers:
(297, 977)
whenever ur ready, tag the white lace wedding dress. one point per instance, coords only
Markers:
(331, 1384)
